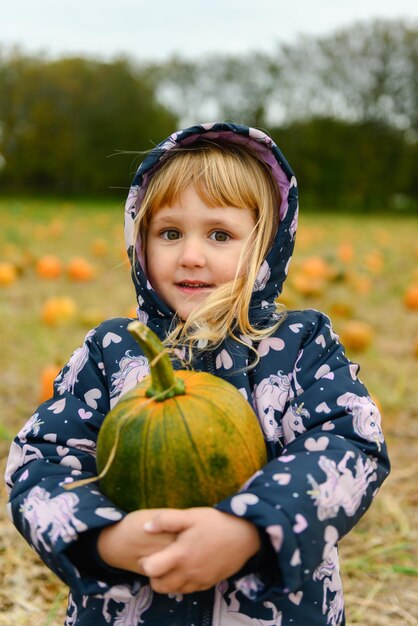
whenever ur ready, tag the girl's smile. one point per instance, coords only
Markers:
(192, 248)
(190, 286)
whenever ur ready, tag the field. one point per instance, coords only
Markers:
(355, 269)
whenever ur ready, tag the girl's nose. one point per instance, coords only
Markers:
(192, 254)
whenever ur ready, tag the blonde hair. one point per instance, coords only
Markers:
(223, 174)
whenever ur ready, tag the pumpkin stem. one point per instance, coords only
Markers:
(164, 383)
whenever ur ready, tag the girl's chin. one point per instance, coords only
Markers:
(186, 307)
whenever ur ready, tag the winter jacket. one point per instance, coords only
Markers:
(326, 453)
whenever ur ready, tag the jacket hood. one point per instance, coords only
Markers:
(274, 269)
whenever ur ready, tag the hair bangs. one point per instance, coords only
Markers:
(222, 176)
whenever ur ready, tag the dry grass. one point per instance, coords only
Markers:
(380, 557)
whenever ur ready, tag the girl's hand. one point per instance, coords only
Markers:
(123, 544)
(209, 547)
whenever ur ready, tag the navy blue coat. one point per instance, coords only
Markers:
(326, 453)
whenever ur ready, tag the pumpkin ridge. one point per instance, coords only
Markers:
(227, 416)
(143, 453)
(189, 434)
(220, 408)
(251, 451)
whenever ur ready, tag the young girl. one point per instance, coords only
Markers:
(210, 227)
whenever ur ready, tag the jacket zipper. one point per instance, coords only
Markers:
(207, 616)
(208, 602)
(207, 611)
(199, 607)
(209, 361)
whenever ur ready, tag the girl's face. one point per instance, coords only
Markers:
(191, 248)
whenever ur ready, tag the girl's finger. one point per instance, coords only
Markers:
(175, 583)
(169, 584)
(160, 563)
(168, 520)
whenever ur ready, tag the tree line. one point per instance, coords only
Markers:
(342, 107)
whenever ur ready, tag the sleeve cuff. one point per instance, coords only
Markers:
(85, 556)
(263, 563)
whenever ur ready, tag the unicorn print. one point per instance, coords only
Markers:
(53, 514)
(296, 388)
(292, 421)
(132, 369)
(171, 142)
(74, 366)
(136, 603)
(329, 573)
(270, 396)
(343, 488)
(33, 424)
(229, 612)
(72, 612)
(366, 416)
(18, 457)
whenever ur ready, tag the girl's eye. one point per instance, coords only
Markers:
(170, 234)
(219, 235)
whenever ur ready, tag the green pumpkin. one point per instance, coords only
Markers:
(177, 440)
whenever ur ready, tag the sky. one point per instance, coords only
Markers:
(157, 29)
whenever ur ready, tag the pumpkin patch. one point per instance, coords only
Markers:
(389, 368)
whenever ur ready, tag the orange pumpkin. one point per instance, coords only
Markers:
(8, 273)
(345, 252)
(356, 335)
(411, 298)
(46, 381)
(360, 283)
(58, 310)
(341, 309)
(49, 266)
(374, 261)
(79, 269)
(307, 285)
(316, 267)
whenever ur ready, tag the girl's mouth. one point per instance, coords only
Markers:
(193, 286)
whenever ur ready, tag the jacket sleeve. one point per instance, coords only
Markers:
(326, 476)
(57, 446)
